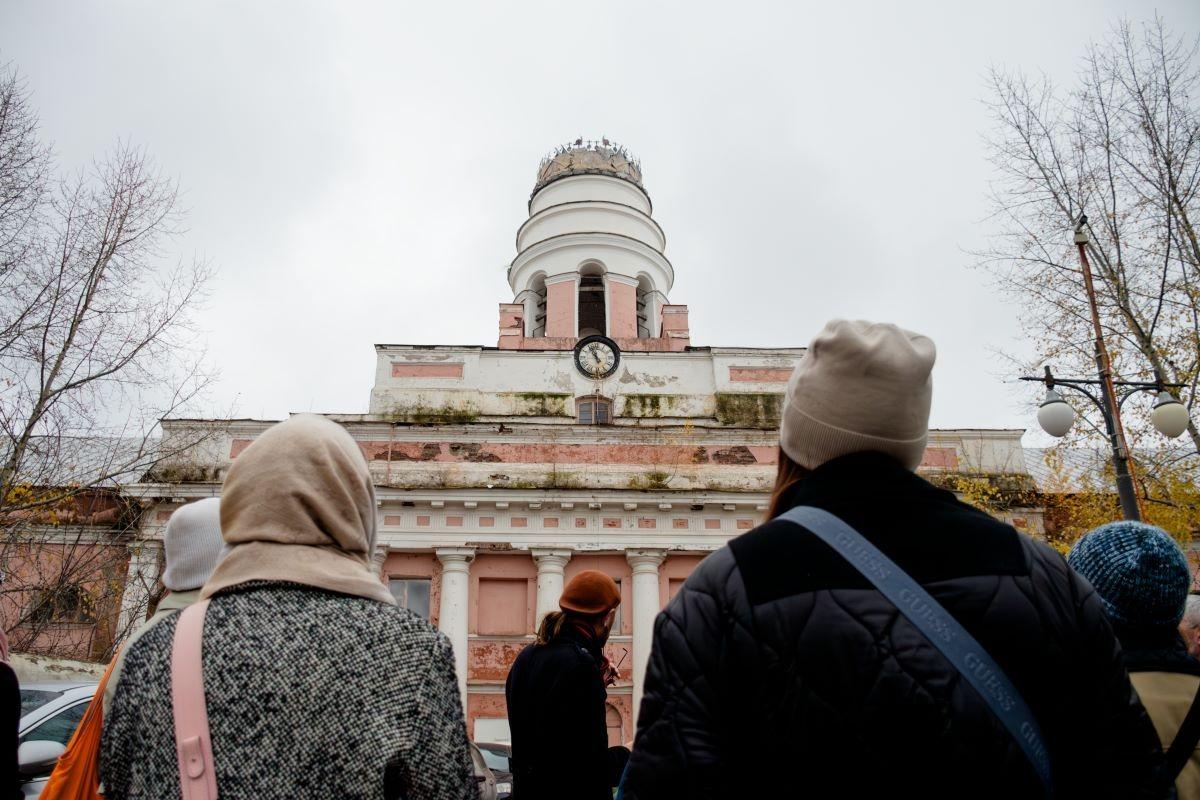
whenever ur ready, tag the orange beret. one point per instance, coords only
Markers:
(590, 592)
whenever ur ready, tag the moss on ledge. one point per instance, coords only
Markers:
(749, 410)
(651, 405)
(540, 404)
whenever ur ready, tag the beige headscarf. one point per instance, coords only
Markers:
(298, 505)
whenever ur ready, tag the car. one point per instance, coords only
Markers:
(497, 757)
(50, 712)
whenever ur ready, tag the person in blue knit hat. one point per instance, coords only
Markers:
(1142, 579)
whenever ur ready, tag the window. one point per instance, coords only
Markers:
(616, 730)
(616, 626)
(59, 727)
(33, 699)
(68, 603)
(593, 410)
(644, 308)
(592, 316)
(411, 593)
(535, 307)
(495, 757)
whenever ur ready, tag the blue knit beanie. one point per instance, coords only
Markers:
(1138, 570)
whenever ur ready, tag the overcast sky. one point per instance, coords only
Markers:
(356, 172)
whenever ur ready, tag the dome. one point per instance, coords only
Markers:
(589, 158)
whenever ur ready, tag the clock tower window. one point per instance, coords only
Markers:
(593, 410)
(593, 318)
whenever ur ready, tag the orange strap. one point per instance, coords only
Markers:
(76, 776)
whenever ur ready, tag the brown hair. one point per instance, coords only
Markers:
(788, 475)
(554, 622)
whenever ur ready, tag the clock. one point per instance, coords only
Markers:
(597, 357)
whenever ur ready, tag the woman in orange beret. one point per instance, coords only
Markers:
(556, 696)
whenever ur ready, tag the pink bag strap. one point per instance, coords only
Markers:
(193, 747)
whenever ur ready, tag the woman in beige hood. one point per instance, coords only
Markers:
(317, 685)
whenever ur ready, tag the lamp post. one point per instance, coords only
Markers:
(1169, 416)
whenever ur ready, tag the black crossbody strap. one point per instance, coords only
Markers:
(1184, 744)
(942, 630)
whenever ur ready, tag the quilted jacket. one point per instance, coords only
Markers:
(778, 671)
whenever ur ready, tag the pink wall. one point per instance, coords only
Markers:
(489, 567)
(427, 370)
(675, 326)
(662, 345)
(622, 310)
(503, 607)
(760, 374)
(512, 325)
(560, 309)
(672, 574)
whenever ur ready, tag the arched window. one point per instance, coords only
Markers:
(535, 306)
(645, 308)
(593, 410)
(593, 314)
(615, 725)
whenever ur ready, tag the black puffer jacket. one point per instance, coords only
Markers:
(778, 671)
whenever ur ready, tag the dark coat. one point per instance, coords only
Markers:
(778, 671)
(556, 714)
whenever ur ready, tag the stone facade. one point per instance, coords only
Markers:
(494, 489)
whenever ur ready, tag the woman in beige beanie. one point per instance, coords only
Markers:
(316, 684)
(778, 670)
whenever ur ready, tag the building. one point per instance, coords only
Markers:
(594, 434)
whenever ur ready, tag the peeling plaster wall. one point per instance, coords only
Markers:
(414, 382)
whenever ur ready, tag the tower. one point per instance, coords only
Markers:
(590, 258)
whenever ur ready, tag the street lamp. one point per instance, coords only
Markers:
(1170, 417)
(1055, 415)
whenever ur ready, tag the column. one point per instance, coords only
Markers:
(622, 307)
(561, 305)
(452, 612)
(141, 579)
(645, 565)
(550, 565)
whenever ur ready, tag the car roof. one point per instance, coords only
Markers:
(58, 686)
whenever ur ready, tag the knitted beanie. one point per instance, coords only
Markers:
(861, 386)
(193, 545)
(1138, 570)
(590, 592)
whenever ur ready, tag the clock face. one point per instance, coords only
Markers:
(597, 356)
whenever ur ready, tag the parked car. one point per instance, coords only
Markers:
(497, 756)
(50, 712)
(483, 775)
